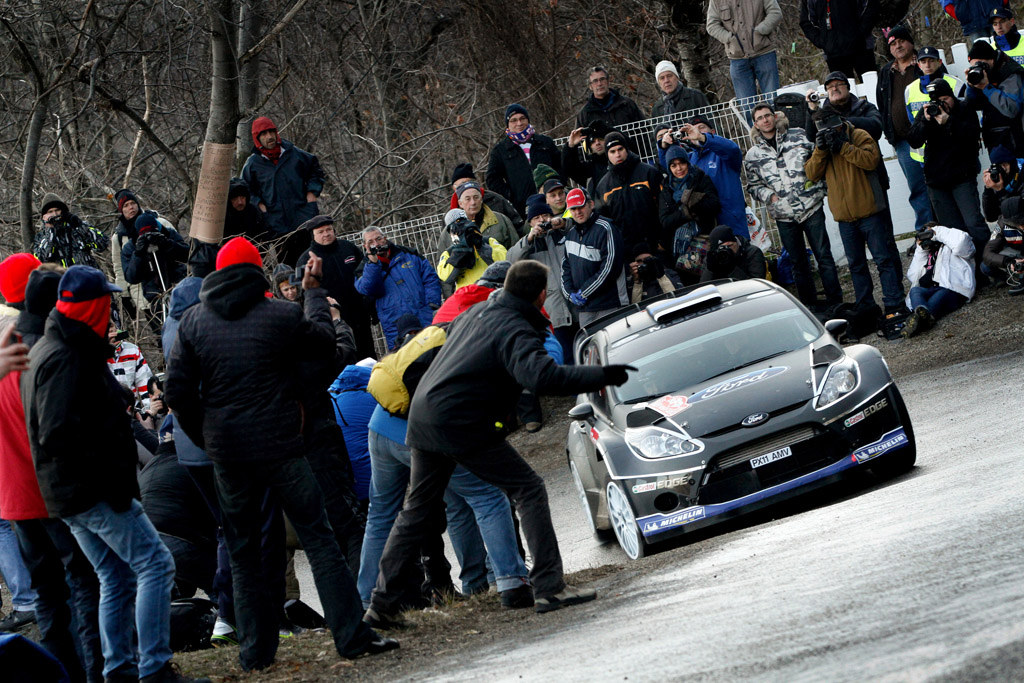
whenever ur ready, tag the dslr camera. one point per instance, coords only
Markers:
(814, 97)
(650, 269)
(976, 74)
(932, 109)
(377, 251)
(995, 172)
(926, 238)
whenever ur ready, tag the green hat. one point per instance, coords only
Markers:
(542, 173)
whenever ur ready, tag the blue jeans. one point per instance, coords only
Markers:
(874, 232)
(792, 235)
(120, 545)
(938, 300)
(744, 72)
(12, 566)
(913, 171)
(390, 462)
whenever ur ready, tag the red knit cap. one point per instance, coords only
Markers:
(14, 272)
(238, 250)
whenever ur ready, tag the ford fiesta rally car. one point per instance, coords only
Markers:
(742, 399)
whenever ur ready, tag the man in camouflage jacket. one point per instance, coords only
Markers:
(774, 165)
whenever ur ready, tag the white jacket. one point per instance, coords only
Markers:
(954, 265)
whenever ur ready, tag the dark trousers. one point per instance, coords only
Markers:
(874, 232)
(67, 607)
(792, 234)
(327, 456)
(272, 543)
(960, 207)
(528, 408)
(194, 566)
(240, 490)
(853, 65)
(499, 465)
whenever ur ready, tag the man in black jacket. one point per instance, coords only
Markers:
(341, 258)
(951, 166)
(241, 218)
(232, 383)
(522, 149)
(628, 194)
(593, 279)
(85, 459)
(996, 88)
(156, 258)
(457, 417)
(733, 257)
(606, 104)
(842, 30)
(675, 97)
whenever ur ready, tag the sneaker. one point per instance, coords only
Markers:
(382, 622)
(170, 673)
(517, 598)
(224, 634)
(17, 619)
(564, 598)
(533, 427)
(917, 322)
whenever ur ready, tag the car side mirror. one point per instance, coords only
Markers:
(583, 411)
(837, 327)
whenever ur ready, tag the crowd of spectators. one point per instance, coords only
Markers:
(128, 489)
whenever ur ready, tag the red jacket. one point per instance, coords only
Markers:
(19, 491)
(463, 298)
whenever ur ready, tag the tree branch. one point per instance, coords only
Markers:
(266, 40)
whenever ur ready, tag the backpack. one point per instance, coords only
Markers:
(395, 377)
(796, 110)
(862, 320)
(192, 621)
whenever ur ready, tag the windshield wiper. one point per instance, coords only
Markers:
(743, 365)
(641, 399)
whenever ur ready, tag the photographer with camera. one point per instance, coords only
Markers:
(156, 259)
(775, 176)
(587, 168)
(491, 223)
(1005, 251)
(941, 276)
(399, 282)
(1002, 181)
(848, 158)
(649, 275)
(951, 163)
(732, 256)
(468, 256)
(996, 89)
(63, 238)
(628, 194)
(687, 207)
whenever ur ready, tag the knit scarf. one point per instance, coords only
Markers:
(679, 185)
(520, 138)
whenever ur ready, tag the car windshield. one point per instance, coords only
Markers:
(696, 349)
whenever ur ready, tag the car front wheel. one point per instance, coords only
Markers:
(620, 513)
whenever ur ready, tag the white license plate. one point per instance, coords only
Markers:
(771, 457)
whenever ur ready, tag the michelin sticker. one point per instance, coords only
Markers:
(673, 405)
(658, 523)
(889, 441)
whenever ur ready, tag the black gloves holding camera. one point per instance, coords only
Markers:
(721, 260)
(617, 375)
(151, 240)
(650, 269)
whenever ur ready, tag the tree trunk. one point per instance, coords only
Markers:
(28, 171)
(250, 25)
(688, 18)
(224, 87)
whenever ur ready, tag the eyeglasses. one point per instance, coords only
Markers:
(763, 117)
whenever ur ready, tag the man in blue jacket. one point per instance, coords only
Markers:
(284, 182)
(399, 281)
(721, 159)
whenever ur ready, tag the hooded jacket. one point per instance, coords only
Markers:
(492, 352)
(70, 242)
(615, 110)
(951, 157)
(750, 261)
(628, 196)
(1000, 102)
(851, 176)
(406, 284)
(549, 250)
(140, 269)
(698, 202)
(779, 170)
(722, 160)
(954, 262)
(78, 426)
(682, 99)
(840, 28)
(745, 27)
(232, 377)
(282, 187)
(245, 223)
(510, 173)
(183, 297)
(353, 407)
(593, 264)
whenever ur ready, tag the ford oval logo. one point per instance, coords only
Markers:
(755, 419)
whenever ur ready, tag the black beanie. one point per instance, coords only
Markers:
(463, 170)
(981, 50)
(614, 140)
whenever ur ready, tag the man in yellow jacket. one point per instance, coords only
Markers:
(469, 255)
(847, 158)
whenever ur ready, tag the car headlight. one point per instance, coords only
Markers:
(841, 380)
(652, 442)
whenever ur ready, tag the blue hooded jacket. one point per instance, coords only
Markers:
(721, 159)
(353, 406)
(408, 284)
(183, 297)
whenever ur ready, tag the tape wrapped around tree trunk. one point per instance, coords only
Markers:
(212, 193)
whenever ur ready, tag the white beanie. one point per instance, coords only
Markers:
(663, 66)
(453, 215)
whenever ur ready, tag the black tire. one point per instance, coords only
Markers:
(901, 460)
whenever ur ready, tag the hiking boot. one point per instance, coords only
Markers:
(224, 634)
(534, 427)
(564, 598)
(375, 646)
(17, 619)
(918, 321)
(519, 597)
(382, 622)
(170, 673)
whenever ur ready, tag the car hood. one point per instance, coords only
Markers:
(724, 401)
